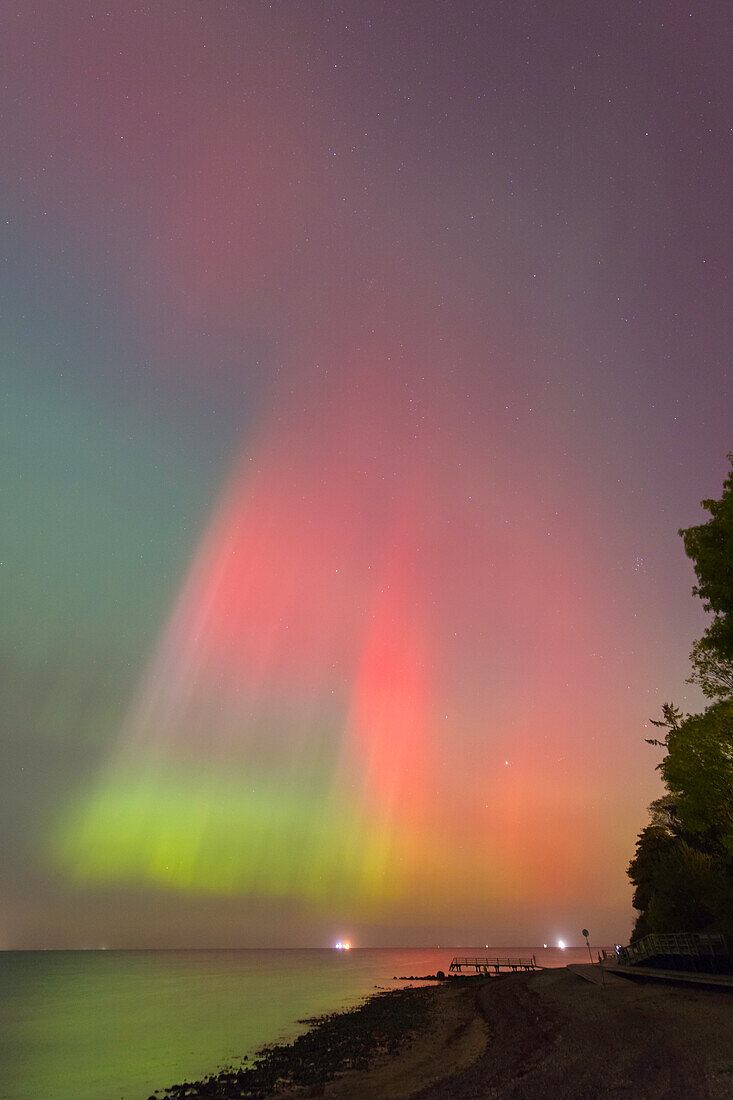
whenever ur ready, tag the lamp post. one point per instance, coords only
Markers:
(586, 934)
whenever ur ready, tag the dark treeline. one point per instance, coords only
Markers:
(683, 867)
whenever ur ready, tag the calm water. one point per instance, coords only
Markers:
(106, 1025)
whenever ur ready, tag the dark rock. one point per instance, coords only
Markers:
(335, 1043)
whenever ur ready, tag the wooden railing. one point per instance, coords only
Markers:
(690, 944)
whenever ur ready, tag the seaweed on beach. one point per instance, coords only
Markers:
(334, 1044)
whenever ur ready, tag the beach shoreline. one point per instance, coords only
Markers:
(520, 1035)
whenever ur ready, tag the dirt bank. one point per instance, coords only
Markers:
(554, 1035)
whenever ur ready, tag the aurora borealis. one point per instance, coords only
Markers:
(360, 362)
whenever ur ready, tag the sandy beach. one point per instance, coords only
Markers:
(547, 1034)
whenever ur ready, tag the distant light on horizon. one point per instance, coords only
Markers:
(561, 944)
(343, 946)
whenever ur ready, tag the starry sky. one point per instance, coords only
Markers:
(360, 361)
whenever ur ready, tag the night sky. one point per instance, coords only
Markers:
(360, 361)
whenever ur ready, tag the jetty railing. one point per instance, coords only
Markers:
(483, 965)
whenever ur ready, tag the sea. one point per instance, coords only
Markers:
(119, 1025)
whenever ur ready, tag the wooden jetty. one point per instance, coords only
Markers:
(492, 966)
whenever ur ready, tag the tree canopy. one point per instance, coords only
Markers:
(698, 772)
(683, 867)
(710, 546)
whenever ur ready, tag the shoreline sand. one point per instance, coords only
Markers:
(547, 1034)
